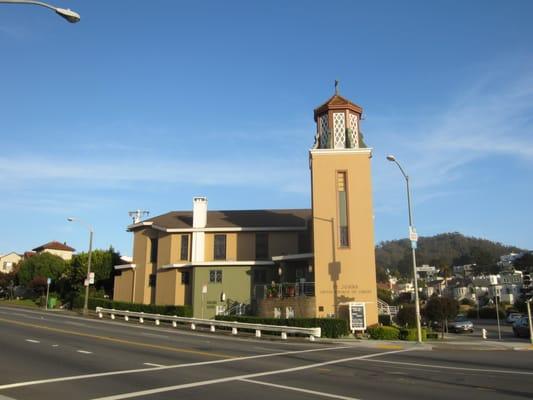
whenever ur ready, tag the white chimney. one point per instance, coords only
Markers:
(199, 212)
(199, 221)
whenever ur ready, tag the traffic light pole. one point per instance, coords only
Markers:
(528, 302)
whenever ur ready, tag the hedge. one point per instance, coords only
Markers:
(486, 312)
(384, 333)
(180, 311)
(412, 334)
(330, 327)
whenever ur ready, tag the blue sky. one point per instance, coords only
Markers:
(147, 104)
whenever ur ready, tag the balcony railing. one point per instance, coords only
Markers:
(283, 290)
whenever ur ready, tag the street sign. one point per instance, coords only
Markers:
(413, 236)
(49, 281)
(86, 282)
(357, 312)
(91, 278)
(204, 289)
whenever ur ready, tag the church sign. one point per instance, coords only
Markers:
(357, 312)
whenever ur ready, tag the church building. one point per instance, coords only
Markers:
(281, 263)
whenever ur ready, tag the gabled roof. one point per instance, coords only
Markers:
(54, 246)
(336, 102)
(290, 218)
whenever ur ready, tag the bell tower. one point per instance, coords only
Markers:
(343, 226)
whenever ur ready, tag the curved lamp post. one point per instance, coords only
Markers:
(412, 231)
(66, 13)
(86, 300)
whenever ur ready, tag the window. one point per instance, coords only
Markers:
(184, 253)
(152, 280)
(343, 209)
(260, 276)
(185, 277)
(261, 245)
(153, 250)
(220, 247)
(215, 276)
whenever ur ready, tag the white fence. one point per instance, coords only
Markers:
(211, 323)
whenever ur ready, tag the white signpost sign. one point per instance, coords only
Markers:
(91, 278)
(357, 312)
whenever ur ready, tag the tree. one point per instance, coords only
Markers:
(385, 295)
(102, 262)
(525, 262)
(407, 315)
(441, 309)
(44, 265)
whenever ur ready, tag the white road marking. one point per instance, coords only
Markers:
(55, 345)
(153, 365)
(498, 371)
(84, 351)
(140, 370)
(323, 394)
(240, 377)
(32, 341)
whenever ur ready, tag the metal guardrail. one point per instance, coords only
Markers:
(213, 324)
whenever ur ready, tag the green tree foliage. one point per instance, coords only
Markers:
(102, 262)
(41, 265)
(407, 316)
(385, 295)
(441, 309)
(446, 249)
(524, 263)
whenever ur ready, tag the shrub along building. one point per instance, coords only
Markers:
(271, 263)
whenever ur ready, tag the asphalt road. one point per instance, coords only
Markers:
(55, 356)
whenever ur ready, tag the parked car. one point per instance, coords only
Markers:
(513, 317)
(461, 324)
(521, 327)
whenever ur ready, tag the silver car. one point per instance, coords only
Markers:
(461, 324)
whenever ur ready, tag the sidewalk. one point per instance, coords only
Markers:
(452, 345)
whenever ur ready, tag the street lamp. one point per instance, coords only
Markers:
(66, 13)
(86, 301)
(413, 237)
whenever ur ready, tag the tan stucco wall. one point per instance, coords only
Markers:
(65, 255)
(280, 243)
(245, 246)
(122, 289)
(343, 274)
(166, 284)
(11, 258)
(141, 258)
(231, 246)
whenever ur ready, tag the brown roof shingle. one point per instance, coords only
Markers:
(237, 219)
(54, 245)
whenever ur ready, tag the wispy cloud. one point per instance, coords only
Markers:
(493, 117)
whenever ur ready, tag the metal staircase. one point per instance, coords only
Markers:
(385, 309)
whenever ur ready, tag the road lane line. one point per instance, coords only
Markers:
(316, 393)
(154, 365)
(84, 352)
(498, 371)
(140, 370)
(32, 341)
(149, 392)
(115, 340)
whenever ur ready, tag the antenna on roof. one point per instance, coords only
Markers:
(336, 87)
(137, 215)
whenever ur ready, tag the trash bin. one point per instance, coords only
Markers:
(52, 302)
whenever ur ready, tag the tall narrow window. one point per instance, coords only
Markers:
(343, 209)
(153, 250)
(219, 252)
(261, 245)
(184, 252)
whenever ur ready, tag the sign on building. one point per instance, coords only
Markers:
(357, 313)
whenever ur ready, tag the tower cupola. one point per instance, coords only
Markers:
(337, 124)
